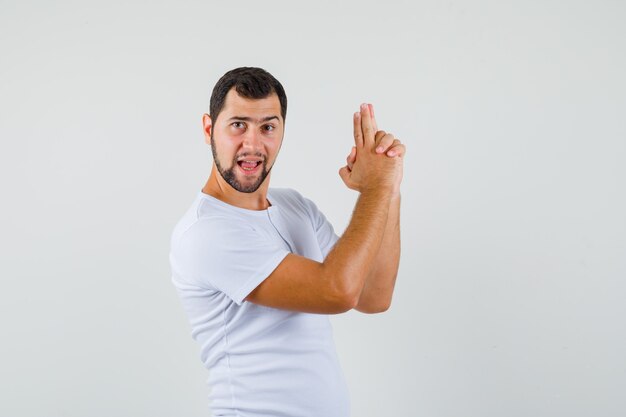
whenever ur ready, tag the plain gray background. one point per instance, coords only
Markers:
(510, 296)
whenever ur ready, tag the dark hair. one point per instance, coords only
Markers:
(249, 82)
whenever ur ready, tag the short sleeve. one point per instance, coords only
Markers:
(324, 231)
(226, 255)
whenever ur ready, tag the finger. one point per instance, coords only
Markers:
(366, 127)
(349, 163)
(351, 158)
(385, 143)
(374, 124)
(344, 173)
(358, 133)
(378, 136)
(397, 150)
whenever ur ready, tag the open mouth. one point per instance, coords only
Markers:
(249, 166)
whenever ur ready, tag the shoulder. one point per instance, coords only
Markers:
(208, 231)
(285, 194)
(292, 199)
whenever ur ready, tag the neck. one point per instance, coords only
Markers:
(220, 189)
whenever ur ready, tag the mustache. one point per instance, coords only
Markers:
(246, 154)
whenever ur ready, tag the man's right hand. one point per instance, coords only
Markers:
(336, 284)
(368, 169)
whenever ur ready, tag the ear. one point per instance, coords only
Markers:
(207, 125)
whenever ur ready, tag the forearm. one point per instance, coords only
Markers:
(353, 256)
(380, 282)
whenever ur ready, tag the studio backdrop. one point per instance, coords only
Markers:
(510, 296)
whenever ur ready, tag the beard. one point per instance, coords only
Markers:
(230, 174)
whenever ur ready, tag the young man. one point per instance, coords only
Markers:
(259, 269)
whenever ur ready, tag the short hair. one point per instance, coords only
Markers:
(249, 82)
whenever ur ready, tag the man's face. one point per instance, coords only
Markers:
(245, 140)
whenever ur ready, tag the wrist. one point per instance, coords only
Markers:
(382, 193)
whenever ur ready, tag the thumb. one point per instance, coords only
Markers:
(351, 158)
(344, 173)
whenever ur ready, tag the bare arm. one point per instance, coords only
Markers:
(332, 286)
(335, 285)
(379, 284)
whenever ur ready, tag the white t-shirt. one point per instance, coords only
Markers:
(262, 361)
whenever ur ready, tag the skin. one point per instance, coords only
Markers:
(360, 271)
(378, 287)
(235, 138)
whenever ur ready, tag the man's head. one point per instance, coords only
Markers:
(246, 126)
(248, 82)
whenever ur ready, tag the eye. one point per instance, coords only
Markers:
(269, 128)
(237, 123)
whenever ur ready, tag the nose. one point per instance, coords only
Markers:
(252, 140)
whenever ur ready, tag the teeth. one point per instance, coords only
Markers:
(249, 168)
(241, 163)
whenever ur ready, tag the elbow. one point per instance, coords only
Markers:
(346, 304)
(381, 308)
(345, 298)
(341, 289)
(348, 300)
(373, 309)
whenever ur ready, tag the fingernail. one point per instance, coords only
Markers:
(364, 106)
(379, 149)
(391, 153)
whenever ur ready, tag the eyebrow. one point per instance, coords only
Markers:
(249, 119)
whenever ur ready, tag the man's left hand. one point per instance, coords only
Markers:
(386, 143)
